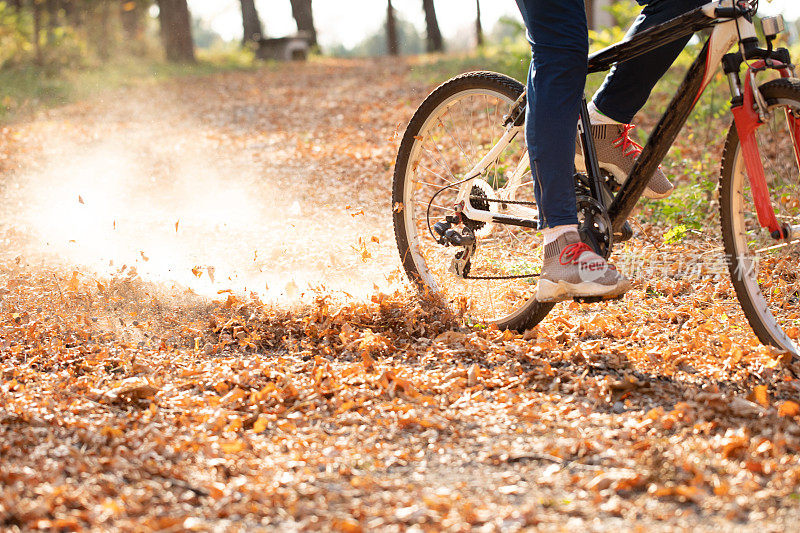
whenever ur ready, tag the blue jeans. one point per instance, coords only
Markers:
(627, 87)
(559, 42)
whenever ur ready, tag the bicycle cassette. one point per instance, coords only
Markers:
(481, 197)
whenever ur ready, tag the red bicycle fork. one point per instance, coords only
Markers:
(748, 120)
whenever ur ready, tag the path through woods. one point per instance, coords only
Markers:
(158, 369)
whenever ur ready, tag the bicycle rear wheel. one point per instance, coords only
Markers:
(456, 125)
(764, 271)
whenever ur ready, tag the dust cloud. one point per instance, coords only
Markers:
(188, 205)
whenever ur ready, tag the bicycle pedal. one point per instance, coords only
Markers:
(596, 299)
(587, 299)
(626, 234)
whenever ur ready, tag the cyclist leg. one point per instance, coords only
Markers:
(627, 87)
(556, 78)
(625, 91)
(559, 41)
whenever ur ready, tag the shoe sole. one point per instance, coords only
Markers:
(558, 291)
(620, 176)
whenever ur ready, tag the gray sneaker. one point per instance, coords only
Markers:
(617, 152)
(572, 269)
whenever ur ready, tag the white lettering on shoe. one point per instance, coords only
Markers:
(592, 270)
(589, 270)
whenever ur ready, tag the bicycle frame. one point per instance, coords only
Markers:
(728, 29)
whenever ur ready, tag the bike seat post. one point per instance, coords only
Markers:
(590, 153)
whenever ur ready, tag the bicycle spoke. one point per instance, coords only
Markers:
(429, 184)
(458, 143)
(765, 278)
(438, 161)
(776, 247)
(443, 208)
(455, 137)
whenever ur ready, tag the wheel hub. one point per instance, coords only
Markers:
(480, 190)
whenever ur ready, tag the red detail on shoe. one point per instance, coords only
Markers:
(626, 143)
(572, 252)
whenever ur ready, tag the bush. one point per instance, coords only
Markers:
(60, 46)
(14, 35)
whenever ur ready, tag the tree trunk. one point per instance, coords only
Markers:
(434, 36)
(251, 24)
(590, 14)
(176, 30)
(103, 31)
(53, 9)
(130, 14)
(37, 30)
(16, 4)
(478, 26)
(392, 44)
(73, 14)
(304, 18)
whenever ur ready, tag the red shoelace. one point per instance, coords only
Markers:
(626, 143)
(572, 252)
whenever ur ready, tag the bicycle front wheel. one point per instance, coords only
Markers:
(764, 271)
(453, 129)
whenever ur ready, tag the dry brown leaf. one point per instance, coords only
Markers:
(789, 408)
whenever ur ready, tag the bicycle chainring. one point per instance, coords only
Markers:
(594, 225)
(583, 187)
(610, 189)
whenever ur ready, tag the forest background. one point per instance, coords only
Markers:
(167, 199)
(53, 51)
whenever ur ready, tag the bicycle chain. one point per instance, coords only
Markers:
(508, 202)
(499, 201)
(517, 276)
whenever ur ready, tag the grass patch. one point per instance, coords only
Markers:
(27, 89)
(511, 59)
(691, 206)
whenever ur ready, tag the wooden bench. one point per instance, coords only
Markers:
(290, 48)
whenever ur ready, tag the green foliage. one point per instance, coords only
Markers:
(204, 36)
(795, 50)
(82, 34)
(15, 30)
(689, 206)
(623, 13)
(510, 58)
(507, 29)
(27, 88)
(509, 52)
(60, 45)
(63, 47)
(676, 234)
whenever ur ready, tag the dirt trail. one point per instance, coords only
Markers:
(271, 183)
(130, 400)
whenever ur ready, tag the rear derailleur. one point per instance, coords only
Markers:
(449, 236)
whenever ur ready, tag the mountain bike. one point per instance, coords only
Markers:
(465, 215)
